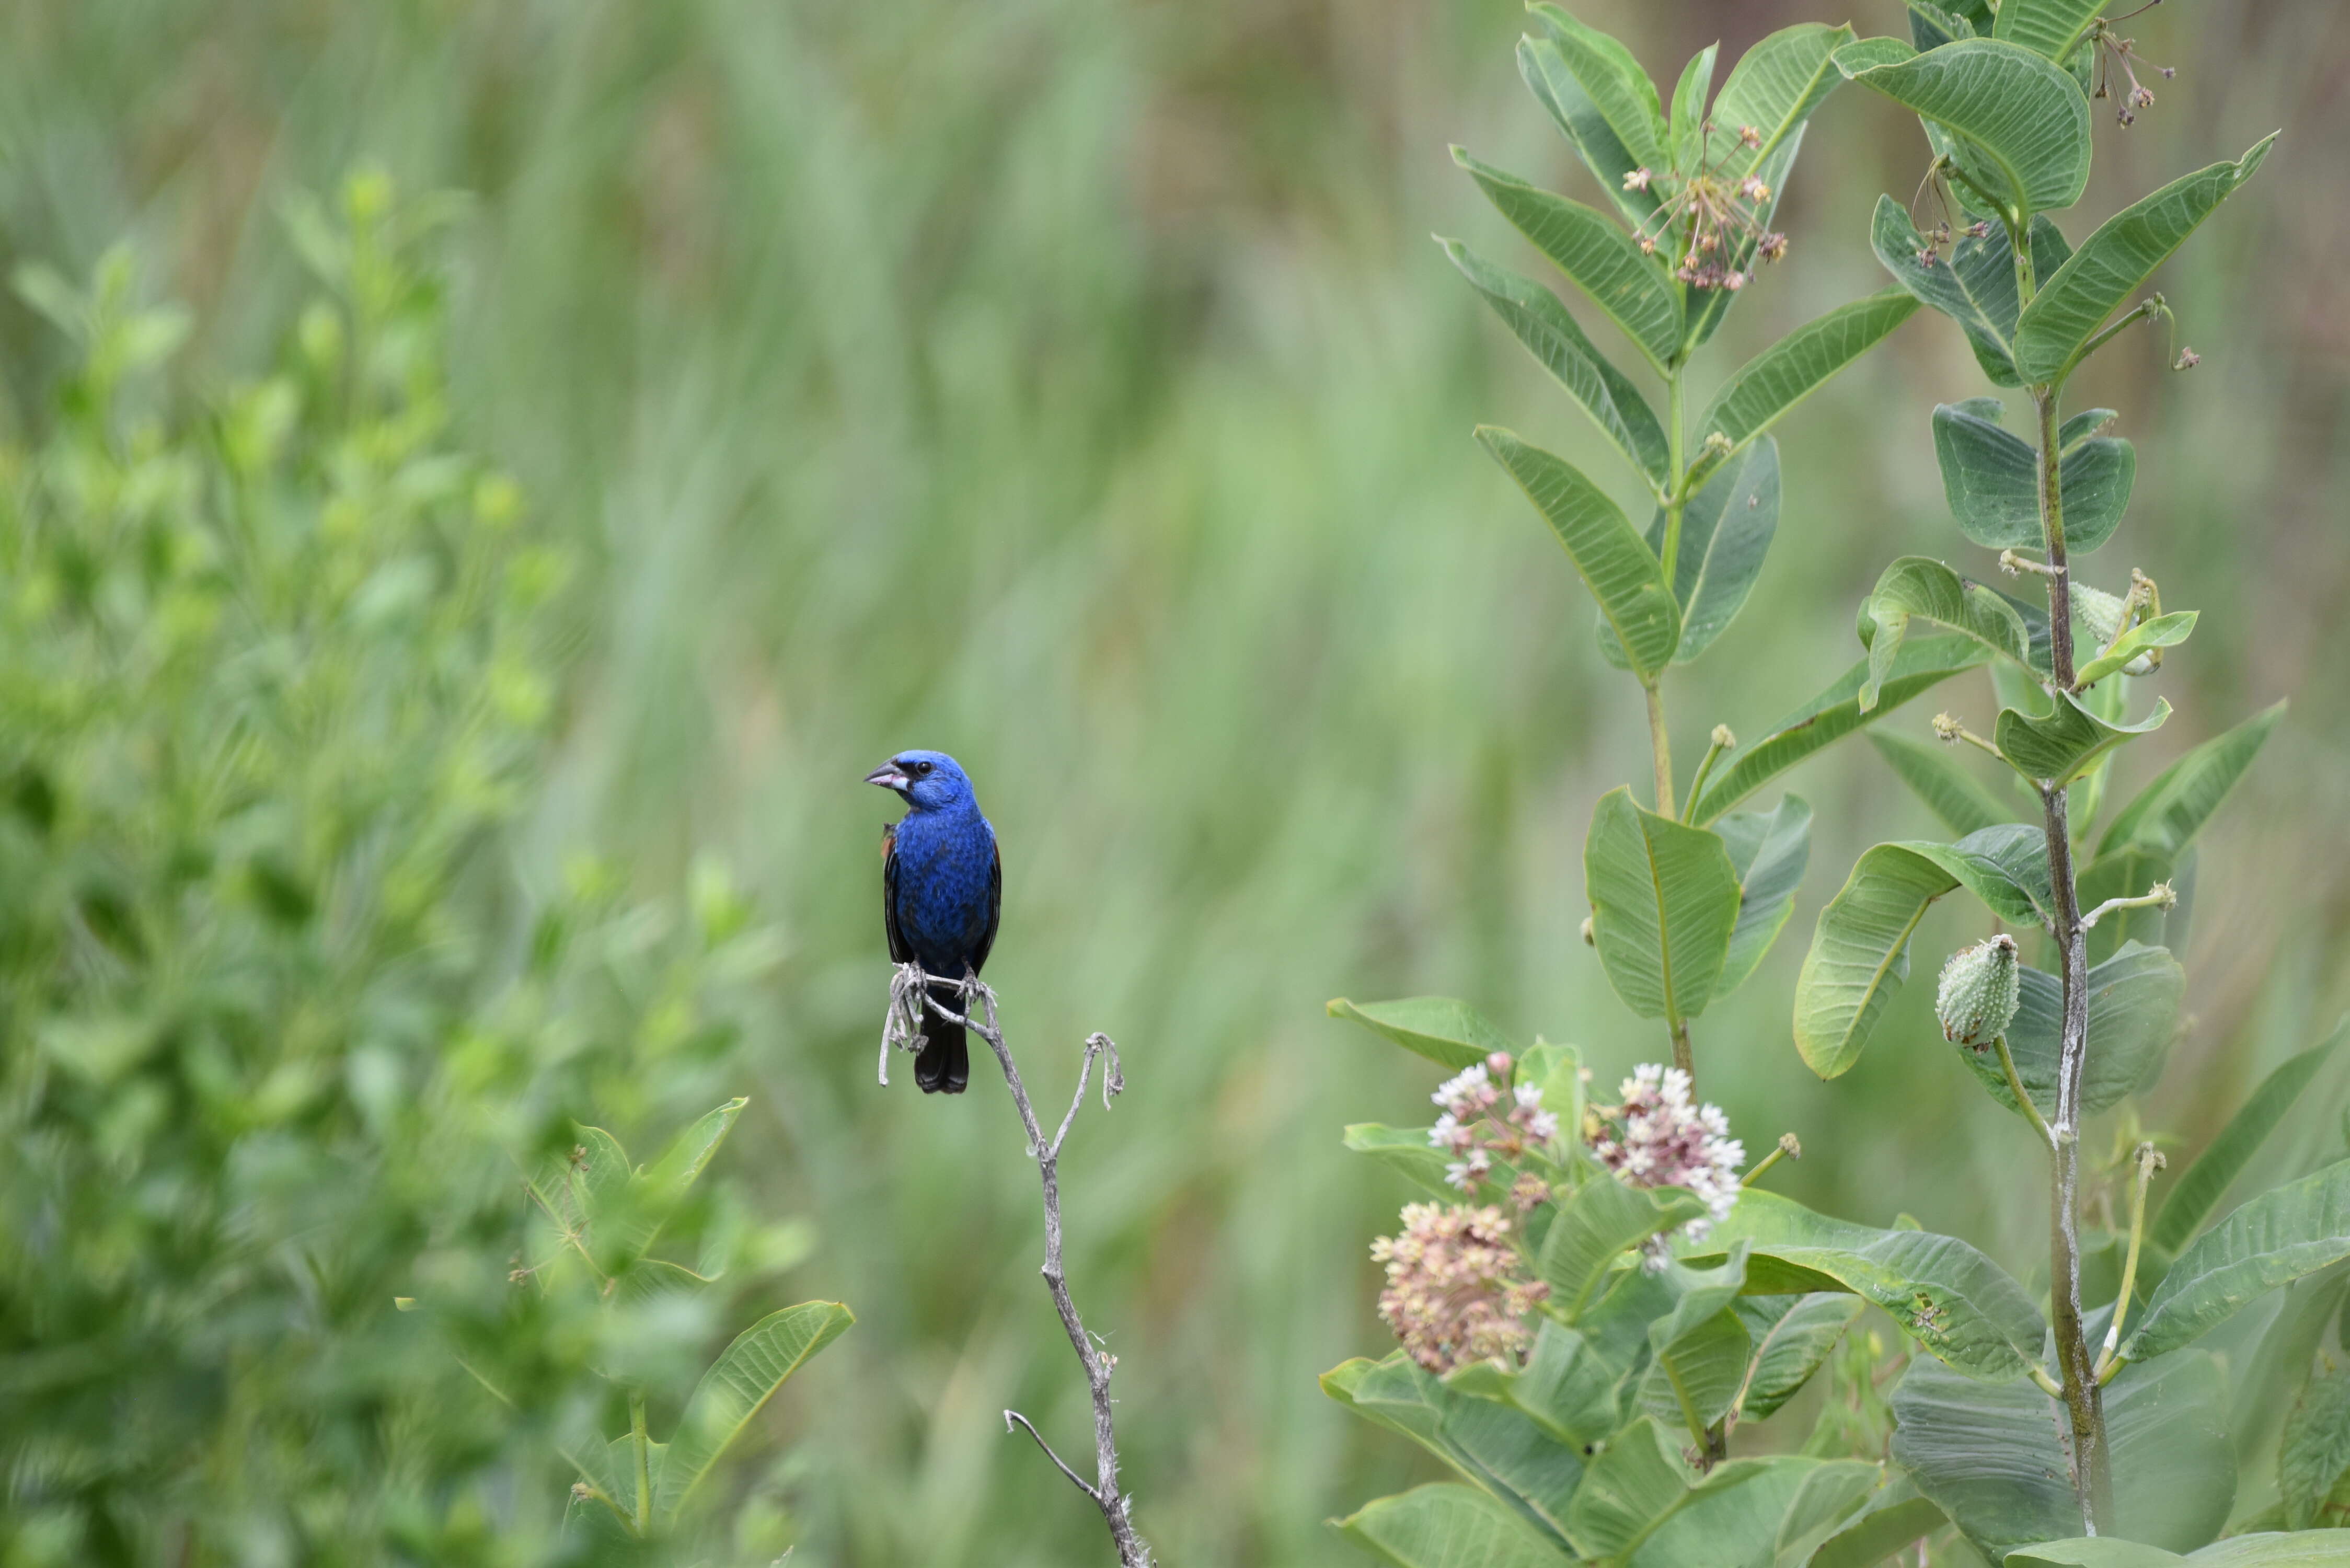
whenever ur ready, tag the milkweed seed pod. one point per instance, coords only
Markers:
(2099, 611)
(1981, 986)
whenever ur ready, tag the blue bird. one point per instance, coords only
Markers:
(941, 892)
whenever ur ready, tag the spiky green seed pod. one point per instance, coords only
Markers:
(1981, 987)
(2099, 611)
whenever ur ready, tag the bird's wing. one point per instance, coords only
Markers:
(994, 906)
(899, 952)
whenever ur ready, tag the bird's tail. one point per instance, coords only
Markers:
(943, 1067)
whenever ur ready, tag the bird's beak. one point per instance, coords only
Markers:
(888, 776)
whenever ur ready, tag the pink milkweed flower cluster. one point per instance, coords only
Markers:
(1455, 1293)
(1480, 1116)
(1658, 1138)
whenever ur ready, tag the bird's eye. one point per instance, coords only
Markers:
(921, 770)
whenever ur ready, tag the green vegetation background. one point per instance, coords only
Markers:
(1070, 385)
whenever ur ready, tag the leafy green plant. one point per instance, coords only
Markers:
(1597, 1303)
(284, 1021)
(599, 1217)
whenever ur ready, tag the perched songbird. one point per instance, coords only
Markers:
(942, 890)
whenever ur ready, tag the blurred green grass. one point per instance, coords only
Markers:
(1072, 387)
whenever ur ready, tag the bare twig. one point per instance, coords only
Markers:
(1117, 1508)
(1077, 1480)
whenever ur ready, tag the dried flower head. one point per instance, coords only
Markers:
(1457, 1291)
(1712, 215)
(2118, 55)
(2188, 359)
(1658, 1138)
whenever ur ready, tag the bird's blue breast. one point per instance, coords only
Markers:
(945, 868)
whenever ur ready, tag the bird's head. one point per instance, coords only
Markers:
(928, 781)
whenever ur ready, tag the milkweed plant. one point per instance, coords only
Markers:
(1596, 1297)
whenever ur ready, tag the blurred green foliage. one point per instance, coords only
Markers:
(1072, 387)
(275, 677)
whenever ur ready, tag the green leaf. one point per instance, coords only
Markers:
(2018, 126)
(1878, 1534)
(1962, 801)
(1916, 589)
(1726, 529)
(1567, 1386)
(1698, 1351)
(1775, 87)
(1687, 121)
(2049, 27)
(1406, 1151)
(2162, 631)
(1492, 1446)
(1860, 949)
(2092, 1552)
(1578, 118)
(1730, 1519)
(1923, 663)
(2316, 1453)
(1630, 1486)
(664, 1184)
(1552, 336)
(1829, 1499)
(2282, 1234)
(1446, 1526)
(1613, 562)
(1991, 1457)
(589, 1193)
(1664, 902)
(1993, 480)
(1605, 70)
(1960, 1306)
(1601, 258)
(737, 1387)
(2134, 999)
(2301, 1549)
(1782, 375)
(1615, 1322)
(1974, 285)
(2168, 813)
(2060, 748)
(2268, 1380)
(651, 1279)
(1598, 1224)
(1769, 852)
(1452, 1035)
(1933, 26)
(1793, 1337)
(2200, 1187)
(2055, 328)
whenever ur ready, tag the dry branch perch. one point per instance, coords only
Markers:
(907, 995)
